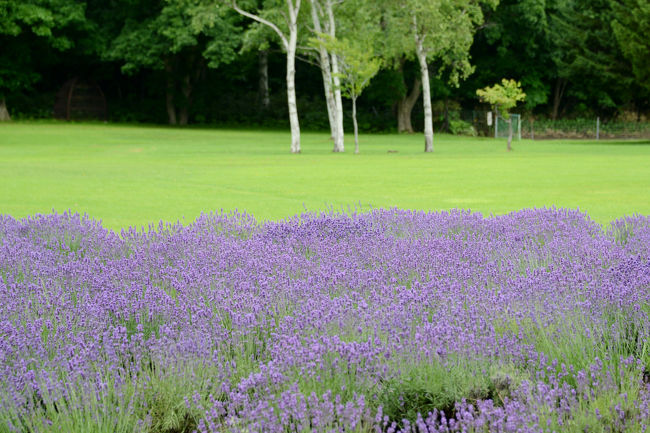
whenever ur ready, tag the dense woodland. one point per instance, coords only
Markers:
(223, 62)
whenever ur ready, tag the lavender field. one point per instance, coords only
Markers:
(536, 321)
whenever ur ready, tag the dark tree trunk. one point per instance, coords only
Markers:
(509, 133)
(405, 107)
(445, 124)
(263, 83)
(182, 72)
(170, 91)
(184, 109)
(532, 128)
(4, 113)
(183, 115)
(171, 108)
(560, 86)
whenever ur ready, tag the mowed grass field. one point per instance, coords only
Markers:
(133, 176)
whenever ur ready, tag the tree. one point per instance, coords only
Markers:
(259, 37)
(440, 30)
(332, 19)
(180, 38)
(408, 98)
(358, 66)
(631, 27)
(503, 97)
(28, 30)
(396, 47)
(515, 41)
(273, 15)
(588, 56)
(324, 23)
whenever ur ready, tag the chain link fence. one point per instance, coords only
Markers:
(475, 122)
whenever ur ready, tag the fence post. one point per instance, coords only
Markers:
(532, 128)
(598, 128)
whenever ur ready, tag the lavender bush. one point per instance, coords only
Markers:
(537, 321)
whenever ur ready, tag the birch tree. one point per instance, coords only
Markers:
(338, 19)
(324, 23)
(338, 102)
(441, 31)
(276, 14)
(358, 66)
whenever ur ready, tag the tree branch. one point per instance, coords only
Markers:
(307, 48)
(261, 20)
(296, 8)
(307, 60)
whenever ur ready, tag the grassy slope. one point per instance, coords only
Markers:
(129, 175)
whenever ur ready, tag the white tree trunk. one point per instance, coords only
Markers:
(426, 95)
(4, 113)
(291, 93)
(354, 122)
(293, 7)
(339, 145)
(326, 70)
(329, 99)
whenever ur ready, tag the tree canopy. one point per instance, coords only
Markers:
(503, 97)
(31, 33)
(631, 25)
(200, 61)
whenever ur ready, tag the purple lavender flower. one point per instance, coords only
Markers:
(391, 320)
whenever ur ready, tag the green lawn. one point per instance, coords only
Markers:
(128, 175)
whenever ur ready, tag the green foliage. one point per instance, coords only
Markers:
(275, 12)
(166, 404)
(595, 50)
(151, 36)
(515, 41)
(82, 410)
(589, 55)
(357, 62)
(357, 65)
(28, 29)
(631, 25)
(43, 18)
(166, 395)
(454, 21)
(180, 37)
(425, 386)
(16, 74)
(503, 96)
(461, 127)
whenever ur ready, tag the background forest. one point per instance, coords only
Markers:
(201, 62)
